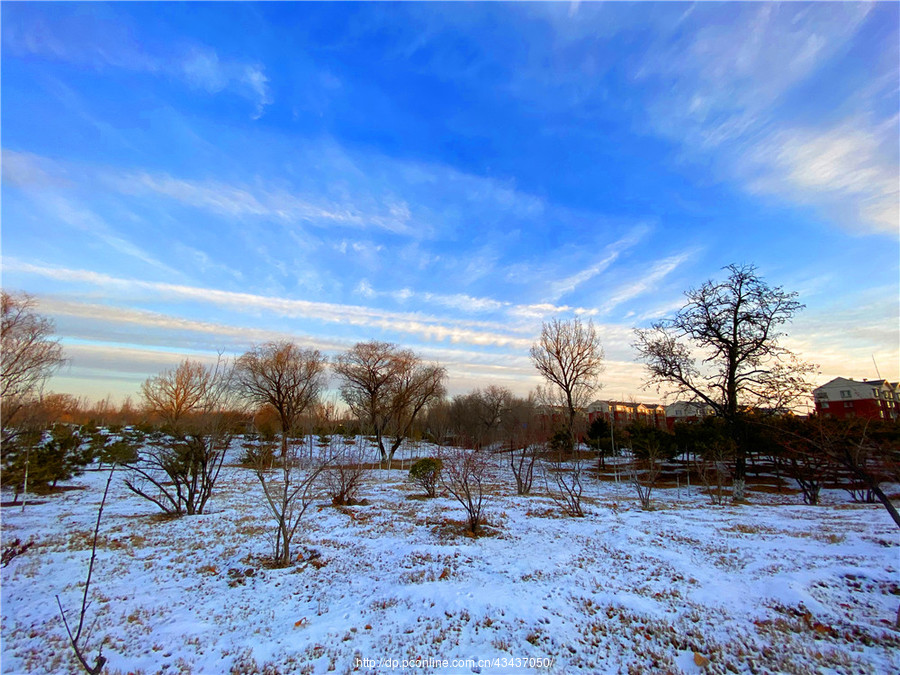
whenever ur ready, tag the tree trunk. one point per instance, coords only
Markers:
(394, 447)
(883, 498)
(285, 546)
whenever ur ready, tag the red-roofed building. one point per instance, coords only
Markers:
(869, 399)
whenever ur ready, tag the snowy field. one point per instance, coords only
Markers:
(771, 586)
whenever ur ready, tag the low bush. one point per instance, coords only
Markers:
(426, 473)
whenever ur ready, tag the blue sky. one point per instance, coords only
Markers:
(185, 178)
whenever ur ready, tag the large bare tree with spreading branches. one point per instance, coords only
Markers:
(284, 376)
(387, 388)
(173, 394)
(569, 357)
(723, 347)
(30, 354)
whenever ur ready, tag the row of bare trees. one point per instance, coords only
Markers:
(384, 385)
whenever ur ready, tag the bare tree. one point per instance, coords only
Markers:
(29, 354)
(387, 388)
(283, 376)
(178, 471)
(493, 403)
(475, 418)
(723, 348)
(176, 393)
(569, 356)
(463, 475)
(805, 464)
(289, 490)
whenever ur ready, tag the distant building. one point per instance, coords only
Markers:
(686, 411)
(622, 413)
(869, 399)
(552, 417)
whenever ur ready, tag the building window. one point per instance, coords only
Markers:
(846, 393)
(823, 396)
(824, 405)
(848, 404)
(876, 393)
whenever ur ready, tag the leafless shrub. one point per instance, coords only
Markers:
(178, 471)
(524, 438)
(344, 473)
(289, 489)
(463, 475)
(643, 472)
(258, 452)
(178, 475)
(564, 481)
(522, 461)
(713, 469)
(809, 471)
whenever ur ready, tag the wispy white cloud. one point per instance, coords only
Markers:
(528, 315)
(238, 201)
(364, 288)
(725, 76)
(30, 171)
(95, 44)
(204, 263)
(202, 68)
(426, 327)
(106, 323)
(849, 167)
(720, 90)
(73, 214)
(466, 304)
(35, 172)
(611, 253)
(647, 281)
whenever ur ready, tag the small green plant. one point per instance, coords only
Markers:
(425, 473)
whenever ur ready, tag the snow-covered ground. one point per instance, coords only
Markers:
(771, 586)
